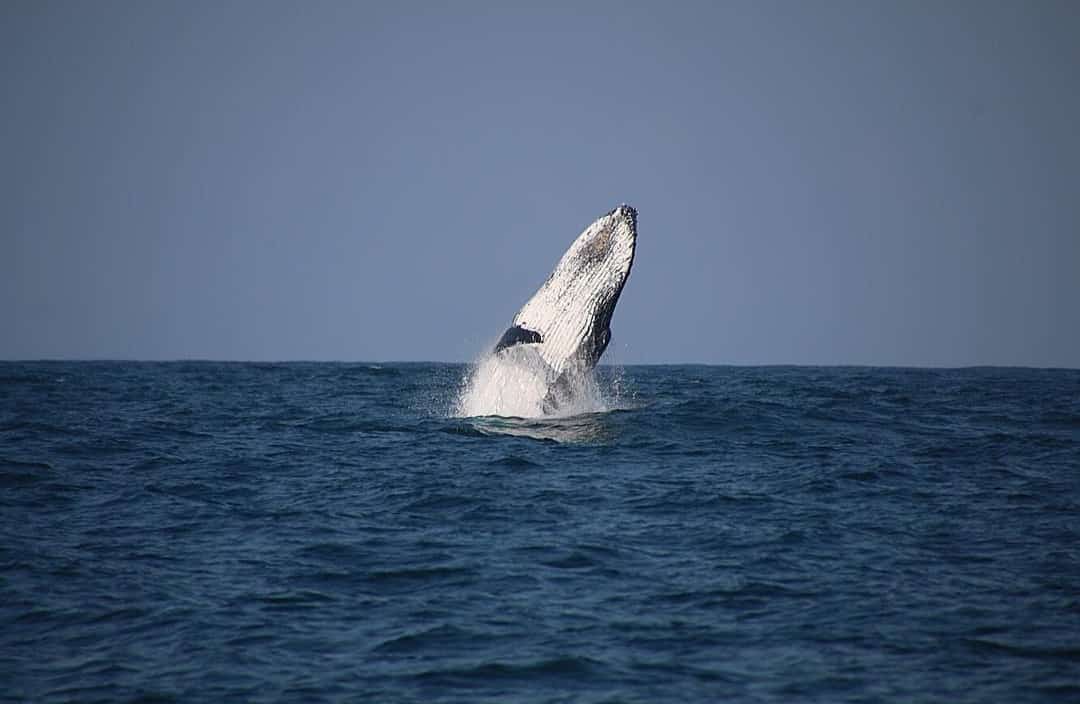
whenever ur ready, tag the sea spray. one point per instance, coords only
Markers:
(518, 383)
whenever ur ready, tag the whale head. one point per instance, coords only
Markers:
(567, 322)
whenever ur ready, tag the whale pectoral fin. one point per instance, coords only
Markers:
(517, 335)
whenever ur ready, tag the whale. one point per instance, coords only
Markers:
(564, 328)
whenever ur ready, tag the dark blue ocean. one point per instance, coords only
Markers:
(240, 532)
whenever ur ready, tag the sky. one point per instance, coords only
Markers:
(820, 182)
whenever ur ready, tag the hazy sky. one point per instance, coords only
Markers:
(817, 182)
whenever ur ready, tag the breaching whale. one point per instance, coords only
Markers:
(566, 325)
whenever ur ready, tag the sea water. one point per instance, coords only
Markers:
(245, 532)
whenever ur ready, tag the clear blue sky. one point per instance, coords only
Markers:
(821, 182)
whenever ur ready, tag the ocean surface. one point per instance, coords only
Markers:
(241, 532)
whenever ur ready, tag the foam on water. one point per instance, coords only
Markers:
(516, 382)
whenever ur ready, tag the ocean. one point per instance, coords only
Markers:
(320, 532)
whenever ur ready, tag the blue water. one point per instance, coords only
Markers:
(329, 532)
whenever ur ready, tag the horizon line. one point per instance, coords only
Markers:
(819, 365)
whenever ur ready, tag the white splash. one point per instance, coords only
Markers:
(517, 382)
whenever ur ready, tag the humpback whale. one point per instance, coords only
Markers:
(566, 325)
